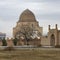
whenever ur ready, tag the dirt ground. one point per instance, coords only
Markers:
(30, 54)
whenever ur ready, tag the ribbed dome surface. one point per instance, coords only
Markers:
(27, 16)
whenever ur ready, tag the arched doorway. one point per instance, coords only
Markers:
(52, 40)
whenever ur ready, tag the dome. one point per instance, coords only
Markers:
(27, 16)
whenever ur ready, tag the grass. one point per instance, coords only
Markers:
(30, 54)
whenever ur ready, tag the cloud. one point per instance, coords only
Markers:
(42, 8)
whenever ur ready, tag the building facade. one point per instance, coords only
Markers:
(2, 36)
(27, 25)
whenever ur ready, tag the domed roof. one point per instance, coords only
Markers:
(27, 16)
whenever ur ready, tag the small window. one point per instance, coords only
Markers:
(32, 25)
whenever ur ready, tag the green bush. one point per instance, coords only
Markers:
(15, 41)
(4, 42)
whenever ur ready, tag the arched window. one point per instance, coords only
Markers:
(32, 25)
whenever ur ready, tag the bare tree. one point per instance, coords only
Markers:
(25, 32)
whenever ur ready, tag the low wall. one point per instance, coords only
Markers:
(45, 41)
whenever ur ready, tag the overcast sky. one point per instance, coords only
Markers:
(47, 12)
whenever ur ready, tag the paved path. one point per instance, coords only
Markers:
(40, 48)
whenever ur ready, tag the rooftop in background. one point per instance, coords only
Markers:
(2, 35)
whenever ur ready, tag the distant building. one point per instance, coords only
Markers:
(2, 35)
(27, 18)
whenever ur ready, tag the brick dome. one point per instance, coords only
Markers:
(27, 16)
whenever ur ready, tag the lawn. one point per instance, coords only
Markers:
(30, 54)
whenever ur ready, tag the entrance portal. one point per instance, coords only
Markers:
(52, 41)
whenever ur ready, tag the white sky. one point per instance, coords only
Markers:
(46, 12)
